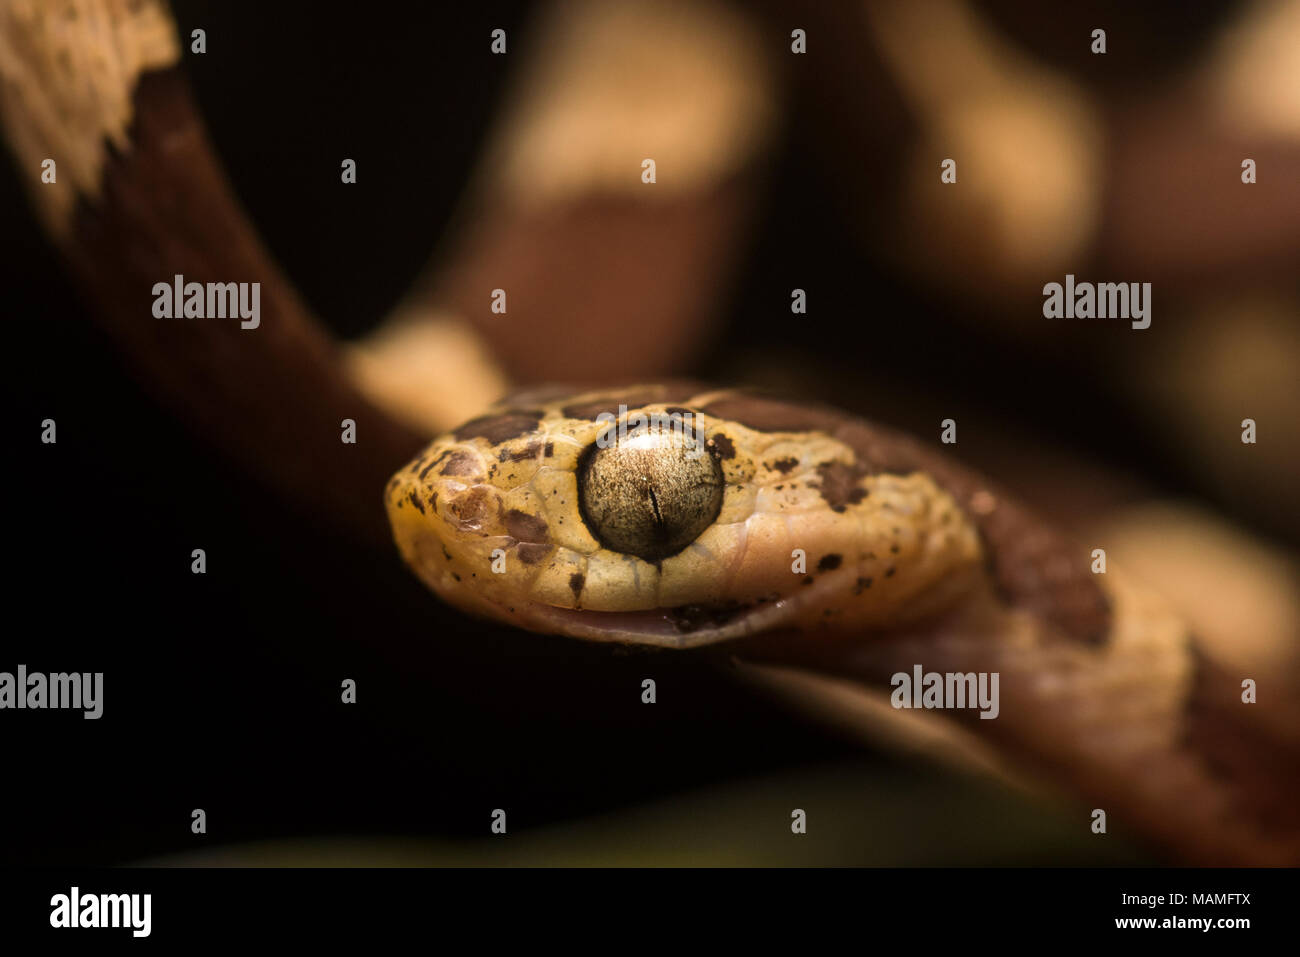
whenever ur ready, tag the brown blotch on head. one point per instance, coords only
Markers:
(576, 581)
(530, 553)
(841, 484)
(665, 392)
(529, 451)
(525, 528)
(415, 500)
(425, 471)
(460, 463)
(862, 585)
(784, 465)
(590, 411)
(500, 426)
(766, 414)
(722, 446)
(474, 508)
(808, 580)
(549, 450)
(829, 562)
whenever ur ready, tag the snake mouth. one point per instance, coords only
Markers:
(683, 626)
(686, 626)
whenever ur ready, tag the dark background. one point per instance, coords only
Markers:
(222, 691)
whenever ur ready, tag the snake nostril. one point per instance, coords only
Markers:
(649, 493)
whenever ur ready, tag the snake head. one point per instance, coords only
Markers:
(656, 516)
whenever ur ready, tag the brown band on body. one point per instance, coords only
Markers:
(270, 396)
(1239, 741)
(1034, 566)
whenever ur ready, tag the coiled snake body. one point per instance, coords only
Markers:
(833, 553)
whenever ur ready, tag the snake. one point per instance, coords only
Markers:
(818, 553)
(831, 554)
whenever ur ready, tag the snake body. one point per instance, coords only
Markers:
(841, 549)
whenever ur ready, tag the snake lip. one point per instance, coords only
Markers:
(688, 626)
(690, 618)
(684, 626)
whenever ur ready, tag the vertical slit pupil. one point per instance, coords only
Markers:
(649, 494)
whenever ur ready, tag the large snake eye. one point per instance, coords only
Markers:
(649, 493)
